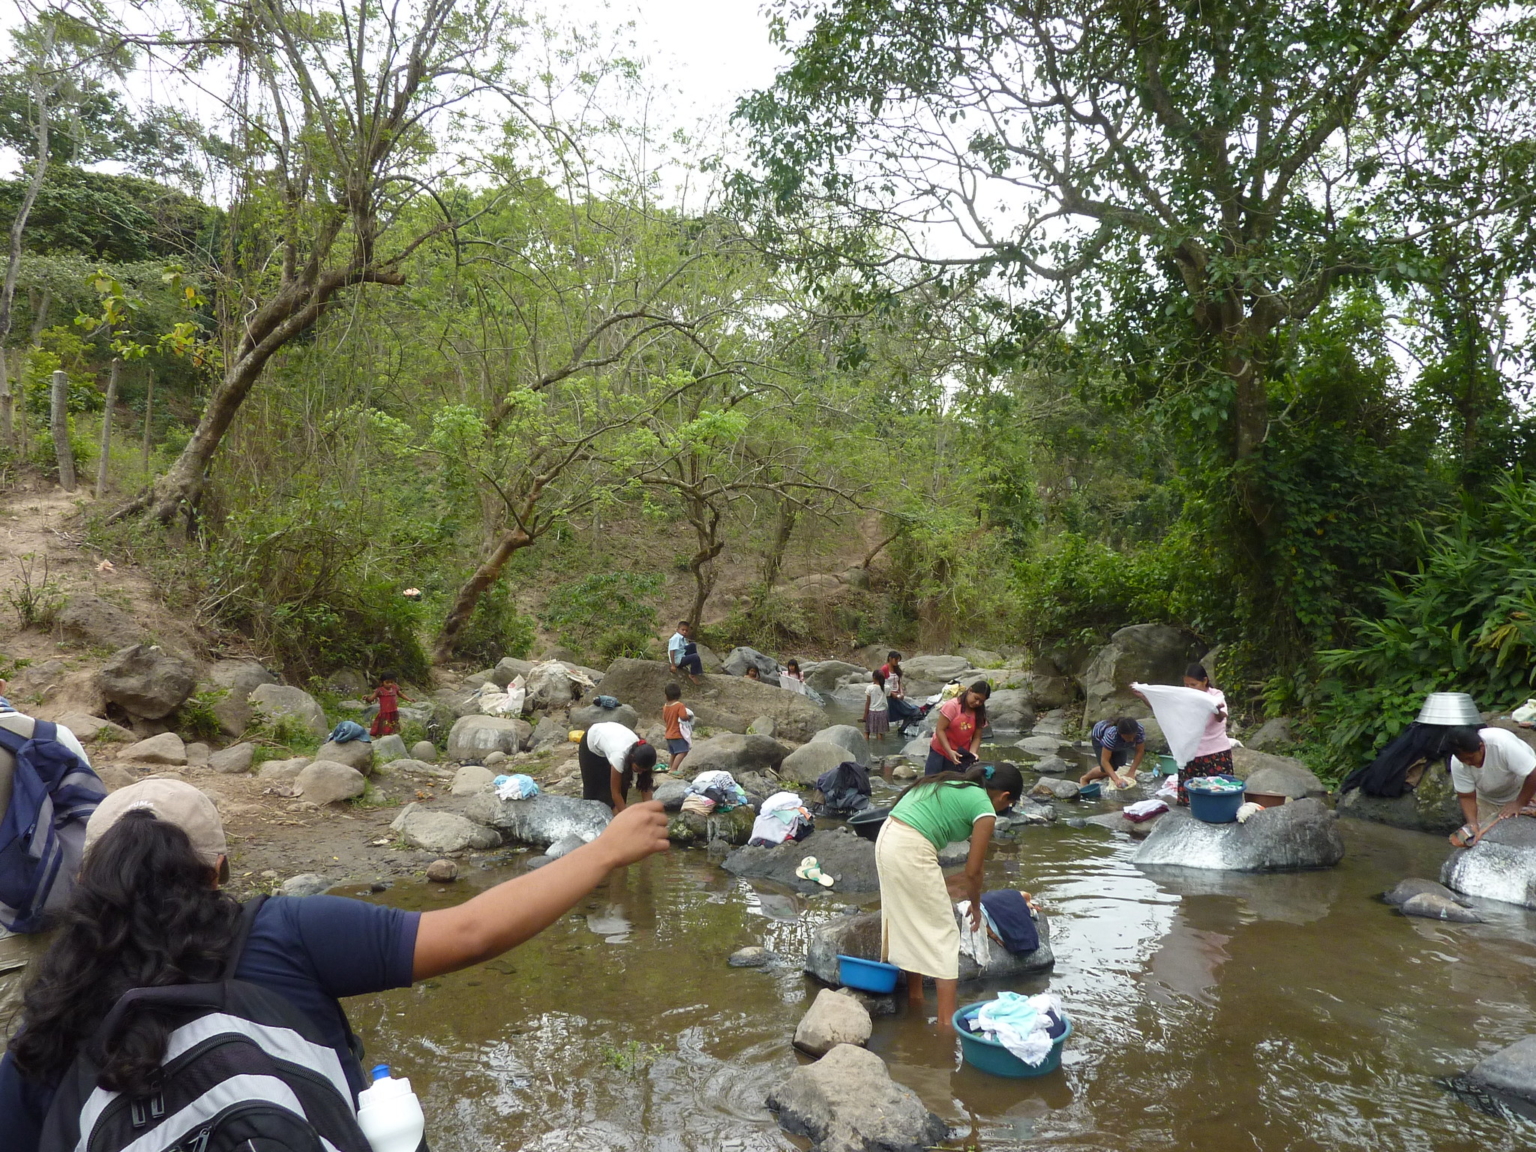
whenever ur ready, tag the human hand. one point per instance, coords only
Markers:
(975, 915)
(1465, 836)
(1510, 810)
(635, 832)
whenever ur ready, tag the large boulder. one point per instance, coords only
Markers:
(470, 779)
(326, 782)
(740, 659)
(833, 1018)
(809, 762)
(389, 748)
(849, 738)
(1430, 807)
(847, 1102)
(1010, 712)
(236, 680)
(843, 855)
(591, 714)
(940, 668)
(916, 749)
(1502, 866)
(441, 832)
(1293, 836)
(728, 702)
(549, 686)
(1509, 1072)
(233, 760)
(670, 793)
(1047, 692)
(473, 738)
(1277, 775)
(826, 675)
(542, 820)
(858, 934)
(147, 681)
(1148, 653)
(508, 669)
(94, 621)
(735, 754)
(356, 754)
(1272, 734)
(280, 702)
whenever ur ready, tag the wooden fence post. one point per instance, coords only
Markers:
(149, 419)
(106, 428)
(59, 418)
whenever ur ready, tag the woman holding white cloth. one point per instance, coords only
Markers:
(1196, 727)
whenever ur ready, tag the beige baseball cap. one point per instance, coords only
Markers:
(174, 801)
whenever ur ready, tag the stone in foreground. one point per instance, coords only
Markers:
(833, 1019)
(1294, 836)
(754, 956)
(326, 782)
(1433, 907)
(858, 935)
(1501, 867)
(847, 1102)
(441, 832)
(1511, 1071)
(1405, 890)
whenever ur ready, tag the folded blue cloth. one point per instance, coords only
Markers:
(347, 731)
(1008, 912)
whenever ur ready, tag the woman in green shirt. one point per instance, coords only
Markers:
(918, 932)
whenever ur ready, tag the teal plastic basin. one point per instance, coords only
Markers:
(867, 975)
(991, 1057)
(1214, 808)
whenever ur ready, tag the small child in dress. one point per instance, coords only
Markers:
(877, 718)
(678, 720)
(387, 696)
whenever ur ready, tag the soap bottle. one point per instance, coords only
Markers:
(389, 1113)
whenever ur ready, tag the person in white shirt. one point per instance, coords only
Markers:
(683, 653)
(1494, 774)
(612, 758)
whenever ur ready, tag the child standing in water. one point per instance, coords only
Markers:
(387, 696)
(678, 719)
(876, 718)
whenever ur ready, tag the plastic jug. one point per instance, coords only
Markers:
(389, 1113)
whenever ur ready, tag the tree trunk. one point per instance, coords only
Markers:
(106, 427)
(475, 587)
(59, 419)
(773, 560)
(7, 404)
(19, 224)
(149, 418)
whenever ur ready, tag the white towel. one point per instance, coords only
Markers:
(1182, 713)
(973, 943)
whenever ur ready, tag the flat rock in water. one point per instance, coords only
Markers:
(1433, 907)
(857, 934)
(542, 820)
(1040, 745)
(916, 749)
(847, 1102)
(1405, 890)
(1502, 866)
(1115, 822)
(442, 871)
(1302, 834)
(442, 832)
(832, 1019)
(1052, 766)
(1431, 807)
(1511, 1071)
(846, 857)
(755, 956)
(691, 829)
(856, 747)
(564, 846)
(1026, 812)
(1055, 788)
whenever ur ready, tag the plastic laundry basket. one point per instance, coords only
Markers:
(990, 1056)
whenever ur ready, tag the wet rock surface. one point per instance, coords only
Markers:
(1502, 865)
(858, 934)
(1302, 834)
(847, 1102)
(843, 855)
(540, 821)
(1431, 807)
(832, 1019)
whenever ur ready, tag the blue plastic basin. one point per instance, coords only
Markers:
(990, 1056)
(867, 975)
(1215, 808)
(1090, 791)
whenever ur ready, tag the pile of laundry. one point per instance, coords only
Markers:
(1008, 918)
(782, 818)
(844, 790)
(713, 792)
(517, 787)
(1145, 809)
(1025, 1025)
(497, 701)
(348, 731)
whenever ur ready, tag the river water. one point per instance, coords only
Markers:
(1212, 1012)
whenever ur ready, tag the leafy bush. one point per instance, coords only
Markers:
(1080, 590)
(605, 614)
(1464, 621)
(495, 629)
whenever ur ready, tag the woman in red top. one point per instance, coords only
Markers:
(957, 738)
(388, 696)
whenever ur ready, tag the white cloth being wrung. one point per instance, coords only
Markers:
(1182, 713)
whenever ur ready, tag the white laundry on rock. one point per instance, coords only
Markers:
(1182, 713)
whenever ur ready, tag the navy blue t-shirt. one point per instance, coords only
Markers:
(310, 950)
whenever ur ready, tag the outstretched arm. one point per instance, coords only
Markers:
(519, 909)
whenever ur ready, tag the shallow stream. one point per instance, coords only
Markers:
(1212, 1012)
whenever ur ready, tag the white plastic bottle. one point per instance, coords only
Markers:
(389, 1113)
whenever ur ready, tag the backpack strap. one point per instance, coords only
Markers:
(248, 912)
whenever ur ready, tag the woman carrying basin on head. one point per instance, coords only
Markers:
(918, 932)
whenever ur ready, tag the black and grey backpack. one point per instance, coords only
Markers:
(244, 1071)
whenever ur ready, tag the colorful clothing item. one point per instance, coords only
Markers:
(1215, 738)
(673, 714)
(1216, 764)
(944, 812)
(962, 726)
(387, 721)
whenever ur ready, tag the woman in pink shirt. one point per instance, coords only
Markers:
(1213, 756)
(957, 735)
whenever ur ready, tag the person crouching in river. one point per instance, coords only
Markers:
(918, 932)
(1494, 774)
(611, 757)
(957, 733)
